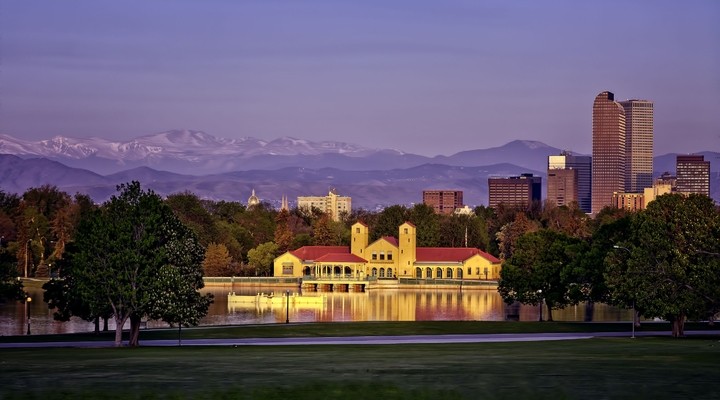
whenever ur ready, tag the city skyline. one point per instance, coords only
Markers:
(418, 77)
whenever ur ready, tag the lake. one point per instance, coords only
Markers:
(373, 305)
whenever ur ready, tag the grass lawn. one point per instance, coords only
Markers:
(658, 368)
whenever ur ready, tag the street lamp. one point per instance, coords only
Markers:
(27, 306)
(633, 300)
(541, 303)
(287, 307)
(26, 256)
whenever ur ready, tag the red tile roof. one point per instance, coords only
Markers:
(310, 253)
(450, 254)
(341, 257)
(392, 240)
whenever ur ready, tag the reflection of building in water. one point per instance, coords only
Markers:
(387, 257)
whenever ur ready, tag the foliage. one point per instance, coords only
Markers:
(512, 231)
(388, 222)
(427, 223)
(283, 234)
(672, 266)
(11, 288)
(261, 257)
(538, 270)
(217, 260)
(132, 255)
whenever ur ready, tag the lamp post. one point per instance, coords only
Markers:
(541, 304)
(27, 306)
(633, 300)
(26, 256)
(287, 307)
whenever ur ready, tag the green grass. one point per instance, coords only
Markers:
(658, 368)
(363, 329)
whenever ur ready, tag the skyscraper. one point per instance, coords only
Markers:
(608, 150)
(569, 179)
(693, 174)
(638, 145)
(515, 192)
(443, 201)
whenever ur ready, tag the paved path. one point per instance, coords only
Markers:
(361, 340)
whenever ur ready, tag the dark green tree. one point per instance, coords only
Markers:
(261, 258)
(10, 287)
(388, 222)
(537, 270)
(671, 268)
(427, 223)
(122, 257)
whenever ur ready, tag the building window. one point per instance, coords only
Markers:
(287, 269)
(374, 272)
(390, 275)
(469, 271)
(374, 255)
(389, 255)
(438, 273)
(428, 272)
(382, 255)
(357, 230)
(382, 272)
(418, 272)
(449, 273)
(406, 231)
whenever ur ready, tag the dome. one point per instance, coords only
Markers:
(253, 200)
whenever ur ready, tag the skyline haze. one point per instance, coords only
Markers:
(418, 76)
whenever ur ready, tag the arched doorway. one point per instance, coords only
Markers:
(428, 272)
(438, 273)
(382, 272)
(460, 273)
(337, 270)
(374, 272)
(449, 273)
(418, 273)
(306, 271)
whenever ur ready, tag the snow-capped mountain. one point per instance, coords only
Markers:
(182, 150)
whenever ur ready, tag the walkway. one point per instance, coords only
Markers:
(362, 340)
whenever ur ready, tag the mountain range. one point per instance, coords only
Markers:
(228, 169)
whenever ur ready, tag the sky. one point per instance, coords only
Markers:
(425, 77)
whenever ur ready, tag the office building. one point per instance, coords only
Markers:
(515, 192)
(332, 204)
(569, 179)
(693, 174)
(638, 145)
(443, 201)
(629, 201)
(608, 150)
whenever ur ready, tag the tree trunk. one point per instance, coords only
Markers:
(678, 326)
(549, 311)
(119, 322)
(134, 331)
(105, 324)
(97, 325)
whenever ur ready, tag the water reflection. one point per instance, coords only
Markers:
(377, 305)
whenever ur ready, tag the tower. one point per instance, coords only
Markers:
(569, 179)
(359, 239)
(693, 174)
(407, 244)
(638, 145)
(608, 150)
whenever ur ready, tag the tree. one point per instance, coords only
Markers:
(11, 288)
(262, 256)
(217, 260)
(123, 256)
(283, 234)
(671, 268)
(537, 270)
(427, 222)
(511, 232)
(323, 234)
(388, 222)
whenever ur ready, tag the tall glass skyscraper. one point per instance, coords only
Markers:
(638, 145)
(608, 150)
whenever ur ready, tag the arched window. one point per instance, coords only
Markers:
(348, 271)
(390, 275)
(438, 273)
(337, 270)
(382, 272)
(460, 273)
(374, 272)
(306, 271)
(428, 272)
(449, 273)
(418, 272)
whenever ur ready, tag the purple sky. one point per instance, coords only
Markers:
(427, 77)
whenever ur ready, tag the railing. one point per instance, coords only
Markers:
(248, 279)
(338, 277)
(455, 282)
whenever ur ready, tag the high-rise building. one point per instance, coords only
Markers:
(332, 204)
(569, 178)
(608, 150)
(443, 201)
(693, 174)
(638, 145)
(515, 191)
